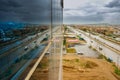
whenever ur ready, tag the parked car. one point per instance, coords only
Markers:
(47, 53)
(80, 53)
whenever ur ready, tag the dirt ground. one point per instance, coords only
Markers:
(78, 68)
(82, 68)
(41, 73)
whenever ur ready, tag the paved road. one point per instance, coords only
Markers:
(17, 43)
(7, 59)
(106, 50)
(114, 45)
(33, 55)
(86, 50)
(111, 44)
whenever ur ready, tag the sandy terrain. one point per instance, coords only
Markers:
(78, 68)
(82, 68)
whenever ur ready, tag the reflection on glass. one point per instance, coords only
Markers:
(25, 32)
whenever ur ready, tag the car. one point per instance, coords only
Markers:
(47, 53)
(80, 53)
(26, 48)
(109, 60)
(100, 48)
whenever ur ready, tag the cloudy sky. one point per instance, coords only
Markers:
(27, 11)
(92, 11)
(75, 11)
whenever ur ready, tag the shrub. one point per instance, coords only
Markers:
(90, 46)
(90, 64)
(71, 50)
(77, 60)
(100, 56)
(64, 42)
(117, 71)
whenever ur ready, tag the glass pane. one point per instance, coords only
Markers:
(24, 34)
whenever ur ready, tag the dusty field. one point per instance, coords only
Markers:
(81, 68)
(41, 73)
(78, 68)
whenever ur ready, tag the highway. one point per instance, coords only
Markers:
(109, 49)
(114, 45)
(7, 59)
(36, 52)
(111, 44)
(17, 43)
(11, 56)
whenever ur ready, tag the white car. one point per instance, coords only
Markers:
(26, 48)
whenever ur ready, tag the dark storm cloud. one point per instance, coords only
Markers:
(114, 3)
(9, 3)
(25, 10)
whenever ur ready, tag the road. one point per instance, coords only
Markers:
(35, 52)
(18, 43)
(9, 58)
(109, 49)
(114, 45)
(111, 44)
(86, 51)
